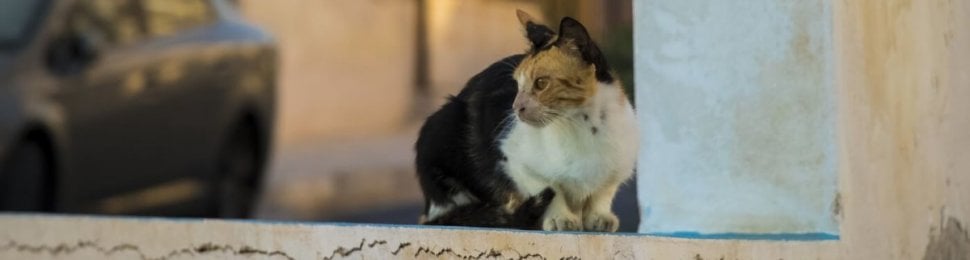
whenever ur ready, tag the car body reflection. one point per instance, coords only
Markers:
(158, 107)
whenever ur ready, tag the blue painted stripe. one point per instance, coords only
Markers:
(749, 236)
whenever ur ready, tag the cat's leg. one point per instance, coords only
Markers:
(597, 213)
(558, 215)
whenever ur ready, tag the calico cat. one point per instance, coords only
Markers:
(540, 140)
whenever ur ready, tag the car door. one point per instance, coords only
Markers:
(110, 105)
(179, 31)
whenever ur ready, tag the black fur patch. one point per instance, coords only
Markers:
(572, 31)
(538, 35)
(457, 148)
(527, 216)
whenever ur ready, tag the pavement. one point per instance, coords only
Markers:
(327, 180)
(363, 180)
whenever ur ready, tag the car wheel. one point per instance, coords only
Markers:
(237, 180)
(24, 177)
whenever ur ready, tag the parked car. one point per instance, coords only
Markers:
(148, 107)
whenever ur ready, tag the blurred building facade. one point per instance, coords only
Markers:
(351, 68)
(346, 66)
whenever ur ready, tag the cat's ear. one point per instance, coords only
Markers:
(537, 34)
(573, 36)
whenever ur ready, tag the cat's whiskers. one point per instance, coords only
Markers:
(551, 116)
(503, 127)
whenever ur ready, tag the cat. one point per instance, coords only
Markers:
(548, 134)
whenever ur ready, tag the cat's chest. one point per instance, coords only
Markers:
(584, 151)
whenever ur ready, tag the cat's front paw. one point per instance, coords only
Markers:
(561, 222)
(601, 222)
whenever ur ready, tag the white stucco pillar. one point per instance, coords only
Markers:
(736, 103)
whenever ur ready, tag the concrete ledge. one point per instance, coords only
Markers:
(82, 237)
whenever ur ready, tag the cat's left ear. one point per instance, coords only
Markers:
(573, 36)
(537, 34)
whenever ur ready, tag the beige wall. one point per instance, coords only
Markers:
(903, 88)
(348, 66)
(465, 37)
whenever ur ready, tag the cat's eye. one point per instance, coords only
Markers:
(541, 84)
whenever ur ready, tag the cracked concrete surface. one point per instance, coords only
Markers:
(138, 238)
(69, 249)
(216, 250)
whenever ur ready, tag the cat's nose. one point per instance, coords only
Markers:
(521, 103)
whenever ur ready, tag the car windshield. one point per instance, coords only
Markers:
(16, 18)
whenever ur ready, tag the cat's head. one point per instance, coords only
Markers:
(560, 72)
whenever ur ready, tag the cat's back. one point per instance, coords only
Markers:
(495, 80)
(455, 155)
(488, 97)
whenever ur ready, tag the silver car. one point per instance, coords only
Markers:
(147, 107)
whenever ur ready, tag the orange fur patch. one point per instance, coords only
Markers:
(571, 80)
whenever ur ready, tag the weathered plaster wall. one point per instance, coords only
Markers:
(737, 105)
(902, 78)
(904, 87)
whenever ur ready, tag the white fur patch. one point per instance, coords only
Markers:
(569, 154)
(436, 210)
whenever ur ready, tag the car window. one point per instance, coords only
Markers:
(111, 22)
(165, 17)
(15, 18)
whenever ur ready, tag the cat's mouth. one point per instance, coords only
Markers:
(531, 112)
(534, 118)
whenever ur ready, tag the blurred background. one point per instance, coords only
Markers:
(350, 83)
